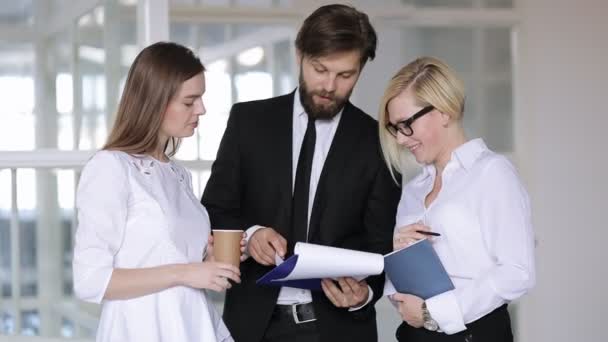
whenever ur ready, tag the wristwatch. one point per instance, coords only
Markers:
(429, 322)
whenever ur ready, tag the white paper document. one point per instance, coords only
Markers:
(311, 261)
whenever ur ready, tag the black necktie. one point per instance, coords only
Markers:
(299, 216)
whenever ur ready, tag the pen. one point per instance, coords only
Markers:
(428, 233)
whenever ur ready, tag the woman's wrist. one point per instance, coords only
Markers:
(178, 275)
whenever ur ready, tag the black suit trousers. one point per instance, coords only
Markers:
(494, 327)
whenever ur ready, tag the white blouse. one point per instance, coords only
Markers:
(137, 212)
(486, 245)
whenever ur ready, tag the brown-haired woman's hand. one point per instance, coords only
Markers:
(210, 275)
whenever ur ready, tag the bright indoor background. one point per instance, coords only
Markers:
(535, 73)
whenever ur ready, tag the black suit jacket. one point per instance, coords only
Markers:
(354, 207)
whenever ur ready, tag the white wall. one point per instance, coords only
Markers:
(562, 117)
(561, 95)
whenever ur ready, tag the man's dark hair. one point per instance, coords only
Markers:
(337, 28)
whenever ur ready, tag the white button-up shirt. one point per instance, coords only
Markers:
(486, 245)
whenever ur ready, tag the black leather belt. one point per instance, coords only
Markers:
(297, 313)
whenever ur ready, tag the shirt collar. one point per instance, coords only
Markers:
(465, 155)
(298, 109)
(468, 153)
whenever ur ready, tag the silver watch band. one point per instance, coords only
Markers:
(429, 322)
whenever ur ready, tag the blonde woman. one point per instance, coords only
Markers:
(141, 231)
(468, 194)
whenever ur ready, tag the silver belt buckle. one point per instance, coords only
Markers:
(294, 312)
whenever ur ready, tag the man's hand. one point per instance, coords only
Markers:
(264, 244)
(350, 293)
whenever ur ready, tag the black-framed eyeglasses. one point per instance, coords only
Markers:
(405, 127)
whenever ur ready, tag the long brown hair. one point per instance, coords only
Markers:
(153, 80)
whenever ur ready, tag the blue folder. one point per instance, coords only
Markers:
(417, 270)
(282, 271)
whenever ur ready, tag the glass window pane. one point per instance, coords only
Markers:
(5, 236)
(255, 3)
(17, 12)
(67, 327)
(27, 201)
(242, 64)
(482, 59)
(16, 78)
(30, 322)
(498, 125)
(106, 48)
(60, 60)
(199, 181)
(497, 50)
(498, 3)
(285, 67)
(218, 100)
(66, 180)
(440, 3)
(7, 323)
(460, 3)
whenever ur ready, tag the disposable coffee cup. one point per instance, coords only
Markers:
(227, 246)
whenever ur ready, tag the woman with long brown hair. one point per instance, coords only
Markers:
(142, 234)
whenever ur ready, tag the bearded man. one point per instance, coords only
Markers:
(306, 166)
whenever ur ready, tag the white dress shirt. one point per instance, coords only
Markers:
(137, 212)
(325, 129)
(486, 245)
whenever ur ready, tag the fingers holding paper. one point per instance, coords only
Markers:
(407, 235)
(346, 292)
(264, 244)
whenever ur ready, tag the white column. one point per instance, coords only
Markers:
(152, 22)
(562, 116)
(77, 111)
(112, 66)
(48, 228)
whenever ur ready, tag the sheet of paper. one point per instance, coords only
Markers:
(389, 288)
(278, 260)
(316, 261)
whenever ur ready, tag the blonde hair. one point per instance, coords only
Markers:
(432, 83)
(153, 80)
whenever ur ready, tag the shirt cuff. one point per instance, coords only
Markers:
(250, 231)
(444, 309)
(90, 285)
(370, 295)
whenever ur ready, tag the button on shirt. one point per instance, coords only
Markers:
(486, 245)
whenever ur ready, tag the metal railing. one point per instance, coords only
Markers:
(83, 316)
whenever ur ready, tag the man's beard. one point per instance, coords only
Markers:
(322, 112)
